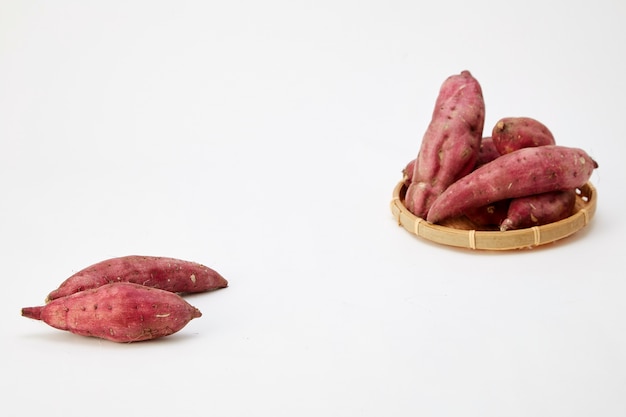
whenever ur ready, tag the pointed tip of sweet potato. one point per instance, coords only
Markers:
(220, 281)
(32, 312)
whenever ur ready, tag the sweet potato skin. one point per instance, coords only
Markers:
(539, 209)
(120, 312)
(168, 274)
(490, 215)
(521, 173)
(450, 145)
(487, 151)
(513, 133)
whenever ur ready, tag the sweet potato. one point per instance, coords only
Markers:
(120, 312)
(169, 274)
(539, 209)
(449, 147)
(513, 133)
(521, 173)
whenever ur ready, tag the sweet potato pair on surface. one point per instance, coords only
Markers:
(127, 299)
(517, 177)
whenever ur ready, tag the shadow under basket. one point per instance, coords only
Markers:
(462, 233)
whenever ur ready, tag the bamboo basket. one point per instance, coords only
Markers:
(460, 232)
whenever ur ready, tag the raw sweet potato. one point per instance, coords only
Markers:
(521, 173)
(169, 274)
(539, 209)
(120, 312)
(449, 147)
(513, 133)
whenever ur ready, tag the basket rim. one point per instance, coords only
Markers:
(494, 239)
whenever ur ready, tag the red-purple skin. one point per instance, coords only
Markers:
(539, 209)
(120, 312)
(450, 145)
(168, 274)
(513, 133)
(487, 151)
(521, 173)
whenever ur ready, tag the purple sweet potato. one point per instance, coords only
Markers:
(513, 133)
(521, 173)
(168, 274)
(539, 209)
(449, 147)
(120, 312)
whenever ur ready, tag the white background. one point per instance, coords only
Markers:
(264, 139)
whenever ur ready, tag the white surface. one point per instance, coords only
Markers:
(264, 139)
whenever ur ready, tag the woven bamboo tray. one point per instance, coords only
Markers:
(460, 232)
